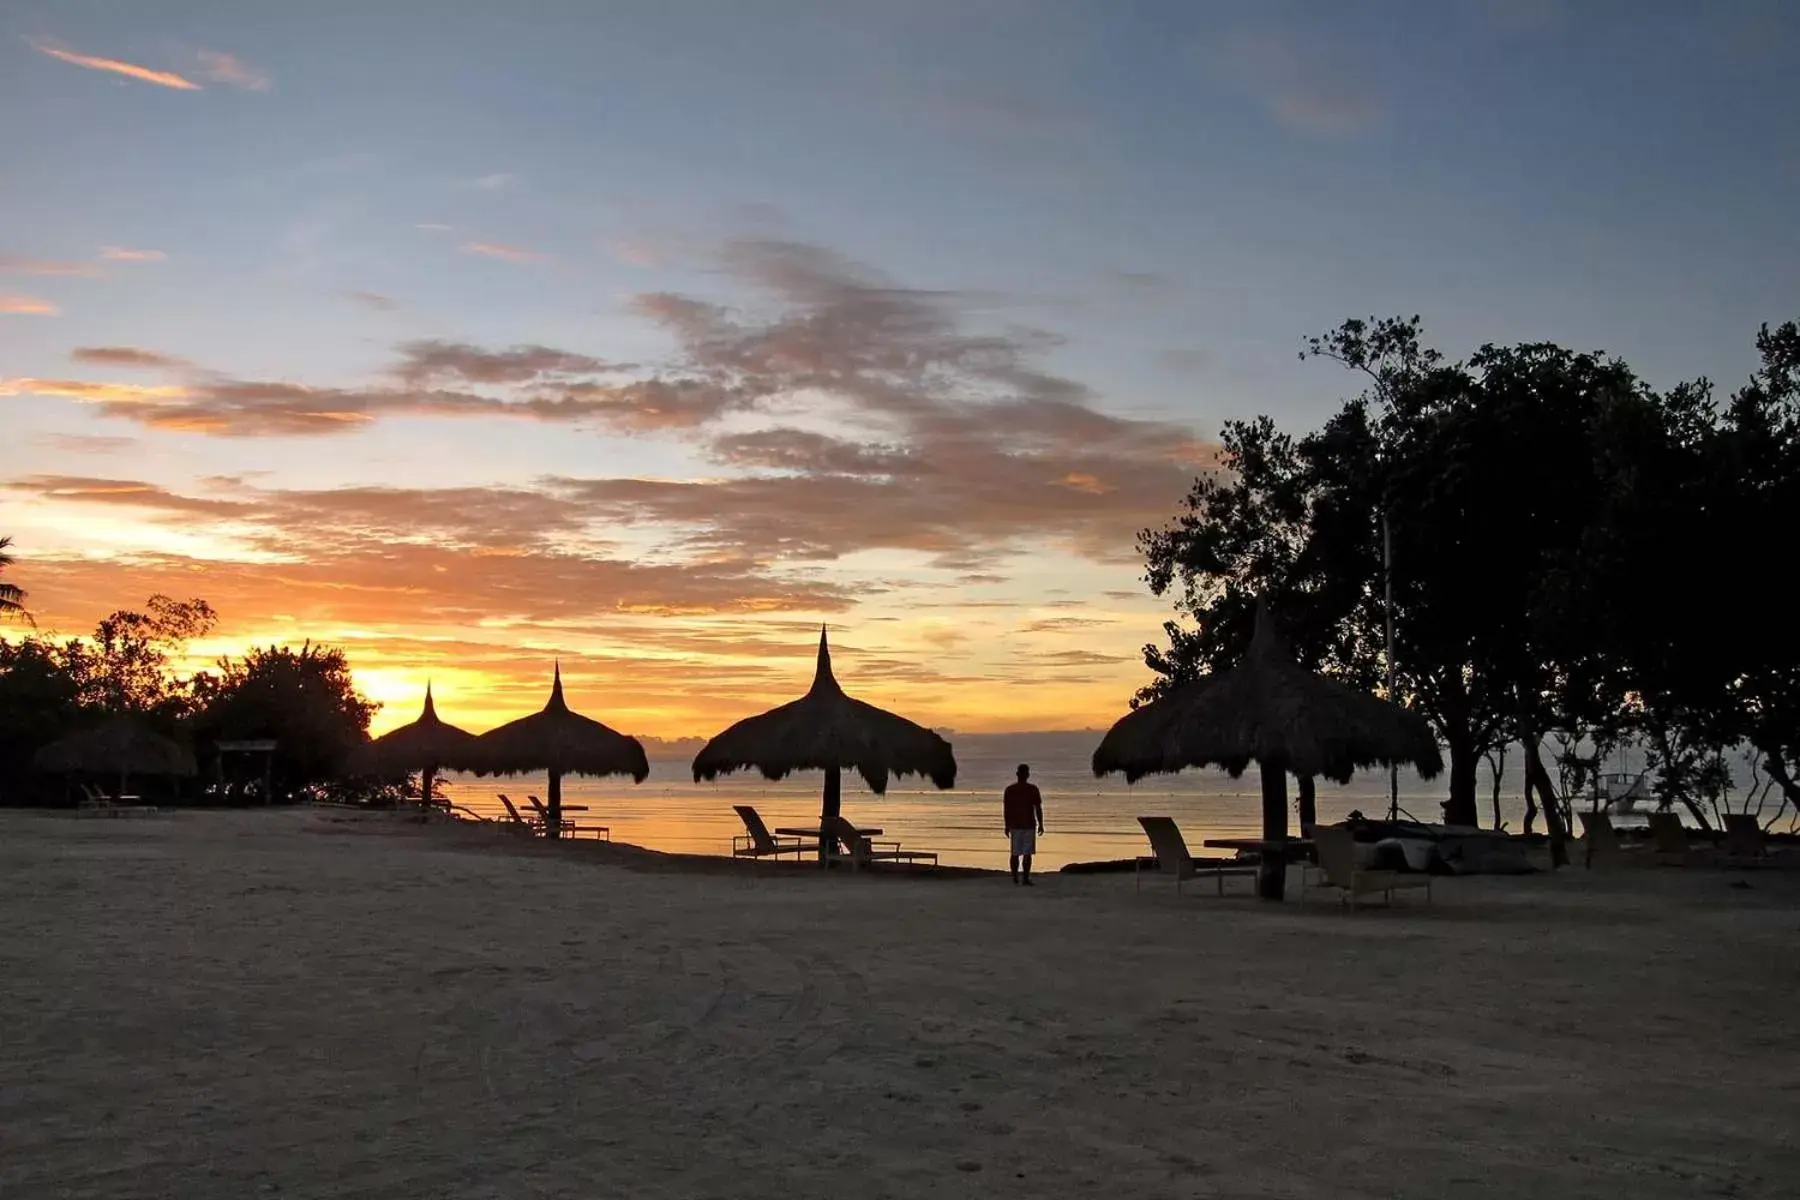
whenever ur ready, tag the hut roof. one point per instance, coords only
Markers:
(123, 743)
(825, 728)
(558, 739)
(428, 742)
(1267, 709)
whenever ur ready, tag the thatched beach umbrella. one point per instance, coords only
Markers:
(560, 742)
(124, 744)
(825, 730)
(1271, 711)
(428, 745)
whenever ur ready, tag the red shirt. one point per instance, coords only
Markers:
(1022, 803)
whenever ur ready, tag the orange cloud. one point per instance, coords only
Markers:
(166, 79)
(123, 254)
(92, 392)
(13, 265)
(228, 69)
(512, 254)
(27, 306)
(125, 356)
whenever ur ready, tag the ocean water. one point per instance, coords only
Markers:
(1085, 818)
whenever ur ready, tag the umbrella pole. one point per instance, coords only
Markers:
(553, 824)
(1271, 874)
(829, 807)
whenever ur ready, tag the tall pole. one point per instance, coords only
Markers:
(1387, 580)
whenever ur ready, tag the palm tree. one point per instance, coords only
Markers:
(12, 599)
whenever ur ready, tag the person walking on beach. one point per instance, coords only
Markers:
(1023, 807)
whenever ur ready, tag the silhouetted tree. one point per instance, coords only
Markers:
(12, 597)
(304, 699)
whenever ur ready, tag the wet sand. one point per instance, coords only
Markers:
(293, 1004)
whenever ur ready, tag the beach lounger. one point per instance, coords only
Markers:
(864, 850)
(1670, 840)
(97, 803)
(1172, 856)
(569, 825)
(1336, 845)
(517, 821)
(757, 842)
(1746, 845)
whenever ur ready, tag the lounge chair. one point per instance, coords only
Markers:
(1670, 840)
(1172, 856)
(757, 842)
(1336, 845)
(1599, 839)
(517, 821)
(1746, 845)
(864, 850)
(569, 825)
(95, 802)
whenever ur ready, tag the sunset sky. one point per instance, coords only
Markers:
(655, 334)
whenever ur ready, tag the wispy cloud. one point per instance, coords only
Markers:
(27, 306)
(126, 356)
(1306, 84)
(125, 254)
(498, 181)
(635, 252)
(167, 79)
(512, 254)
(432, 227)
(86, 443)
(374, 300)
(232, 71)
(14, 265)
(98, 392)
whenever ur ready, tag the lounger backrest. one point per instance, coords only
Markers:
(1336, 845)
(511, 811)
(1665, 828)
(1170, 847)
(753, 822)
(1743, 834)
(854, 843)
(1597, 828)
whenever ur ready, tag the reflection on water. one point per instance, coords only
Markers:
(1084, 818)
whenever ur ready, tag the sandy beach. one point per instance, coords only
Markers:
(297, 1004)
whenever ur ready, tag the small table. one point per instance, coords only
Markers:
(1296, 847)
(820, 833)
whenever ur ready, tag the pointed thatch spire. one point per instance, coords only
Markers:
(823, 679)
(430, 713)
(556, 693)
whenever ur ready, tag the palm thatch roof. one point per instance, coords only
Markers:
(558, 740)
(426, 744)
(123, 744)
(826, 729)
(1267, 709)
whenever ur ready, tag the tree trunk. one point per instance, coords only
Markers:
(1498, 763)
(1536, 777)
(1461, 809)
(1271, 872)
(425, 778)
(830, 806)
(1309, 809)
(553, 822)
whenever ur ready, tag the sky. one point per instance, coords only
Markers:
(652, 336)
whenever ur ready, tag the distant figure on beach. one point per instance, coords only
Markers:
(1023, 806)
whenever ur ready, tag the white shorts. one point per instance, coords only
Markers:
(1024, 841)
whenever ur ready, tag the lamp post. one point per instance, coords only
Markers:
(1387, 583)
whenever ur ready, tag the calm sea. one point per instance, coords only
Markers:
(1085, 818)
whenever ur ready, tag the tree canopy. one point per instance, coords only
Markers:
(1573, 553)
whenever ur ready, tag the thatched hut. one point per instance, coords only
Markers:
(428, 745)
(560, 742)
(826, 730)
(1271, 711)
(124, 745)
